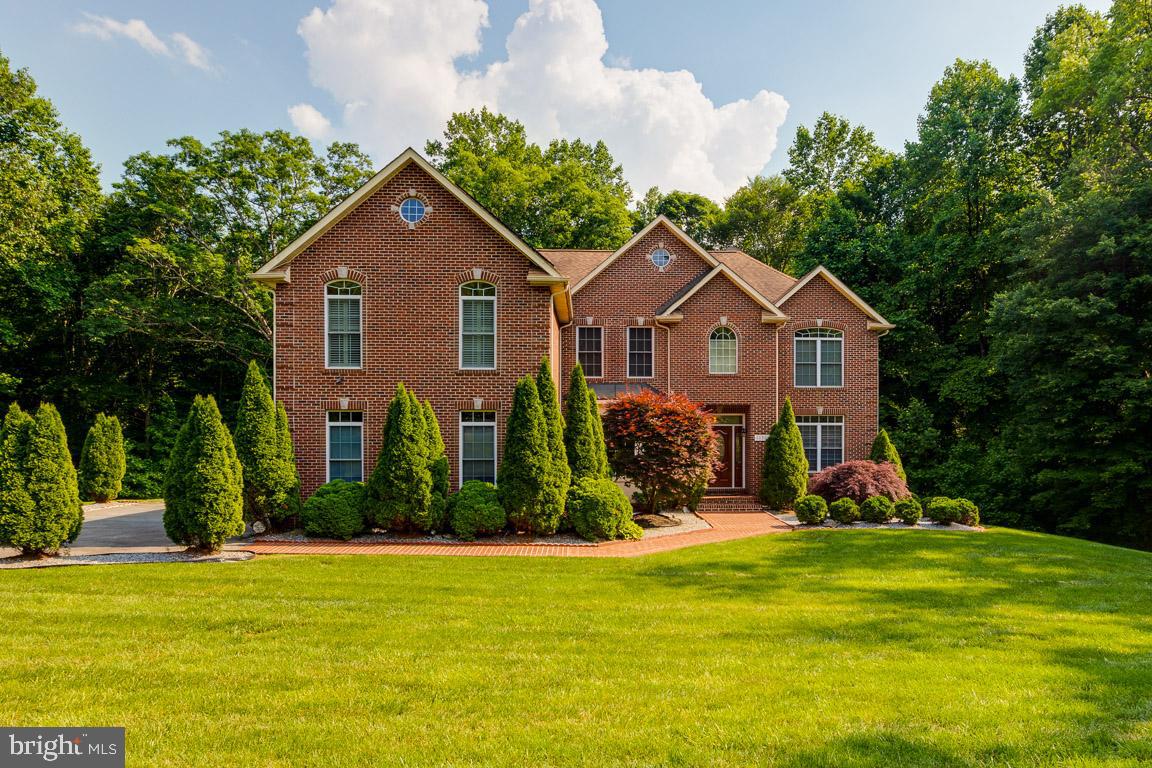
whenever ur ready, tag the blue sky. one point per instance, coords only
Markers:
(383, 72)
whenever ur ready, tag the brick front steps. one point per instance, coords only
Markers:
(727, 524)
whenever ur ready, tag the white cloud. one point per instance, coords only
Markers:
(138, 31)
(395, 69)
(309, 121)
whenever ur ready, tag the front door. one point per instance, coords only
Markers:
(729, 430)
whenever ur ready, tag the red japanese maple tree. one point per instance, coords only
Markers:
(662, 444)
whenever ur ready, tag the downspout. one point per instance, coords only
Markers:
(776, 398)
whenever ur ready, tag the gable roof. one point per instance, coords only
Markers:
(768, 280)
(878, 323)
(771, 313)
(575, 263)
(273, 271)
(708, 258)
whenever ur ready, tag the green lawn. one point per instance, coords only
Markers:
(838, 648)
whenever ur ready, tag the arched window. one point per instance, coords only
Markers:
(722, 351)
(342, 323)
(819, 356)
(478, 325)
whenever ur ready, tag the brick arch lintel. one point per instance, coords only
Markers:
(355, 275)
(799, 325)
(469, 275)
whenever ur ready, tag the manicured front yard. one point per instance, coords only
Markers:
(839, 648)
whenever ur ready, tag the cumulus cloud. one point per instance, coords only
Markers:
(397, 71)
(183, 47)
(309, 121)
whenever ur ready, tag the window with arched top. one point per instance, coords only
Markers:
(478, 326)
(819, 357)
(342, 322)
(722, 347)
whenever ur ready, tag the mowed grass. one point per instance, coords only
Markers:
(839, 648)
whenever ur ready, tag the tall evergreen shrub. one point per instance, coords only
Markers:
(550, 403)
(884, 451)
(292, 501)
(50, 479)
(438, 466)
(580, 442)
(269, 475)
(102, 460)
(15, 504)
(601, 445)
(784, 476)
(399, 492)
(524, 480)
(204, 487)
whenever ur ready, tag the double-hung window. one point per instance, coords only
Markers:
(590, 350)
(477, 446)
(819, 358)
(823, 438)
(640, 353)
(722, 351)
(342, 318)
(346, 446)
(478, 326)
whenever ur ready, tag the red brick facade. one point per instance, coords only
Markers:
(410, 278)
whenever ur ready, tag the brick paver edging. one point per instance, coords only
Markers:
(726, 526)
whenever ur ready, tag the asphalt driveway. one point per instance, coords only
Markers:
(131, 526)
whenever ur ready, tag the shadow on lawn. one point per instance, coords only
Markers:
(881, 750)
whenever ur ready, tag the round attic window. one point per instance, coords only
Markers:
(660, 258)
(412, 210)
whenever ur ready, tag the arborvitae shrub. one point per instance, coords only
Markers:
(784, 475)
(968, 513)
(883, 450)
(601, 445)
(877, 509)
(582, 448)
(525, 479)
(909, 511)
(859, 481)
(438, 467)
(399, 492)
(204, 488)
(102, 460)
(599, 510)
(291, 506)
(475, 511)
(50, 477)
(16, 506)
(811, 510)
(334, 511)
(561, 475)
(844, 511)
(269, 475)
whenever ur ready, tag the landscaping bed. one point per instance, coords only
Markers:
(124, 558)
(922, 524)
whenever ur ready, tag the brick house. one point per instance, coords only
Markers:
(411, 280)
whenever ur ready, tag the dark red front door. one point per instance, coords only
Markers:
(729, 430)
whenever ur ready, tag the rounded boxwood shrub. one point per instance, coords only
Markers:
(599, 510)
(475, 510)
(811, 510)
(859, 481)
(967, 512)
(844, 511)
(909, 511)
(877, 509)
(942, 510)
(334, 511)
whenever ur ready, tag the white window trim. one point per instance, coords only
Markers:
(328, 442)
(495, 424)
(360, 329)
(843, 424)
(819, 375)
(628, 351)
(601, 329)
(460, 327)
(736, 338)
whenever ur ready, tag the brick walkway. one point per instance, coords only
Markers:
(726, 526)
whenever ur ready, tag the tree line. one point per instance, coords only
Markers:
(1009, 242)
